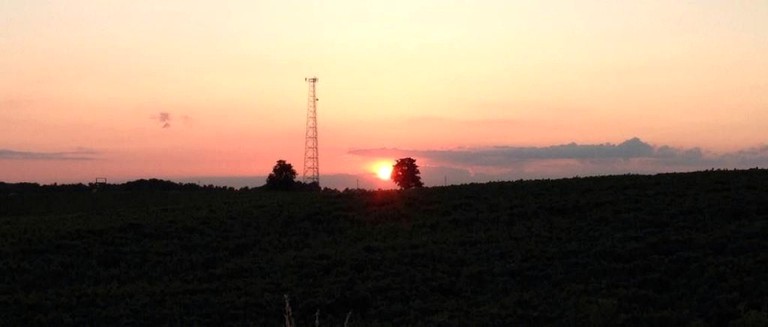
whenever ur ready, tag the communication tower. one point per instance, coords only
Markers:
(311, 162)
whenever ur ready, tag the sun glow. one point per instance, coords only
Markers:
(383, 170)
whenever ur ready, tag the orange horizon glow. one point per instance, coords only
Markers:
(178, 89)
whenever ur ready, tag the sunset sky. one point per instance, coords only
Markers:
(474, 90)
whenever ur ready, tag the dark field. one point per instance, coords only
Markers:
(674, 249)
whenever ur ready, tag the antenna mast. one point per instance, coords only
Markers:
(311, 162)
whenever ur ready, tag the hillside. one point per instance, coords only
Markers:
(673, 249)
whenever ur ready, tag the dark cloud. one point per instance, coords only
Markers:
(752, 157)
(80, 154)
(437, 175)
(500, 155)
(630, 156)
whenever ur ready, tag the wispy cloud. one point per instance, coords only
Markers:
(165, 119)
(449, 122)
(14, 103)
(80, 154)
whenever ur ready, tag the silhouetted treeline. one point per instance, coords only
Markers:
(140, 185)
(36, 199)
(160, 185)
(136, 185)
(301, 186)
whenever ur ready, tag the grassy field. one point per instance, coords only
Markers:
(674, 249)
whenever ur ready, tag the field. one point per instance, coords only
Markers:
(673, 249)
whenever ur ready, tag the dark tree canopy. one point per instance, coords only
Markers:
(405, 173)
(282, 176)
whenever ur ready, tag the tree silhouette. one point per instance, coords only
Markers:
(282, 176)
(405, 173)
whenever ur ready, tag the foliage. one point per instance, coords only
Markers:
(405, 173)
(671, 249)
(311, 186)
(282, 176)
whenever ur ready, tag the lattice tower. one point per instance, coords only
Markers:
(311, 158)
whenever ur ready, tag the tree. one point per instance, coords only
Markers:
(405, 173)
(282, 176)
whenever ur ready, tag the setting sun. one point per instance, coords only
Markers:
(383, 171)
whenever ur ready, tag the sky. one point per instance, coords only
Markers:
(475, 91)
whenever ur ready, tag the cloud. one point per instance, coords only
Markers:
(500, 155)
(440, 175)
(630, 156)
(165, 119)
(79, 154)
(752, 157)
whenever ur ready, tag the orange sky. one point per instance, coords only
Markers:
(88, 79)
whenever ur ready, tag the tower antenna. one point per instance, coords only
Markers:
(311, 158)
